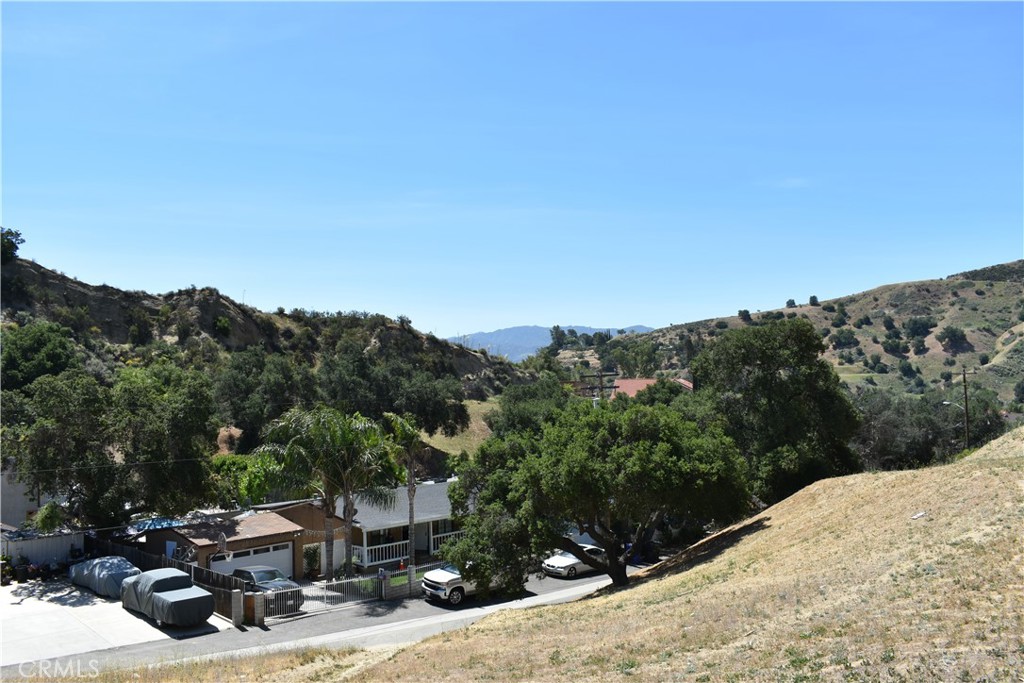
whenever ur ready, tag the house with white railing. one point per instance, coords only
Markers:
(380, 535)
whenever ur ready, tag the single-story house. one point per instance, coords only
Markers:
(384, 532)
(379, 535)
(224, 544)
(630, 387)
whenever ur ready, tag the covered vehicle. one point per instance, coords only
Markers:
(283, 595)
(565, 564)
(103, 575)
(167, 596)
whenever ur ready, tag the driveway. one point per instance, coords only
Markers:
(44, 620)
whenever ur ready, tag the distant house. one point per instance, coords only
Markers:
(630, 387)
(379, 535)
(17, 503)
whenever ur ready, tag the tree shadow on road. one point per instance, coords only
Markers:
(706, 549)
(380, 608)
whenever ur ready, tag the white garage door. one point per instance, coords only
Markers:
(278, 555)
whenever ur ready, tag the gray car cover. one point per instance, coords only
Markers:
(103, 575)
(168, 596)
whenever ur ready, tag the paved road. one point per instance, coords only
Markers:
(361, 625)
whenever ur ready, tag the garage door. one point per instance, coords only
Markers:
(278, 555)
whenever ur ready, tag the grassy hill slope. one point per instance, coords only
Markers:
(989, 310)
(913, 575)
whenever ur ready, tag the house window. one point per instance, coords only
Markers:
(242, 553)
(282, 546)
(443, 526)
(260, 551)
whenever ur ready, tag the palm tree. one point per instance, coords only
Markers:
(406, 443)
(337, 456)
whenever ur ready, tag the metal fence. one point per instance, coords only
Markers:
(327, 595)
(398, 585)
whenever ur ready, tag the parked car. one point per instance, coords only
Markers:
(447, 585)
(567, 565)
(283, 595)
(103, 575)
(167, 596)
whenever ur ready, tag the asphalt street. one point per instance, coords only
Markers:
(361, 625)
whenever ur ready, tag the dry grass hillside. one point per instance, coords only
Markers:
(915, 575)
(989, 311)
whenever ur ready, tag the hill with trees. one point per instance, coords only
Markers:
(118, 403)
(904, 337)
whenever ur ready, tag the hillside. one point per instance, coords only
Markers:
(990, 312)
(912, 575)
(213, 324)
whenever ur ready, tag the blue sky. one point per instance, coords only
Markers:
(475, 166)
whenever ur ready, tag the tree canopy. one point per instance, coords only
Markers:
(63, 431)
(783, 404)
(336, 456)
(609, 473)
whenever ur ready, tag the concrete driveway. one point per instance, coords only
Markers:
(44, 620)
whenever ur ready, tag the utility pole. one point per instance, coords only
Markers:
(967, 414)
(597, 390)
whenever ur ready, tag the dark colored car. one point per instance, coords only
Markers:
(168, 596)
(283, 596)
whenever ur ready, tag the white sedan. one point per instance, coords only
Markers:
(565, 564)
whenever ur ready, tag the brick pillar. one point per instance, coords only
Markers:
(259, 609)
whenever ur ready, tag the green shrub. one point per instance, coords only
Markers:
(222, 326)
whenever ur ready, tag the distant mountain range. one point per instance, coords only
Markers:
(517, 343)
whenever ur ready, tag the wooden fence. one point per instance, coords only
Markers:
(221, 585)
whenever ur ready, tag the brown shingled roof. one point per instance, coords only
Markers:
(260, 525)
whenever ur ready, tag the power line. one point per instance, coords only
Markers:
(76, 468)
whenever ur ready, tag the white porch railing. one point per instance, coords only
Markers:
(437, 540)
(380, 554)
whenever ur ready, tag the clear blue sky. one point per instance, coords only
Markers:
(476, 166)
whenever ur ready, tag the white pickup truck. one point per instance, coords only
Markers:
(446, 585)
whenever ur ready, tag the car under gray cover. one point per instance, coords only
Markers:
(168, 596)
(103, 575)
